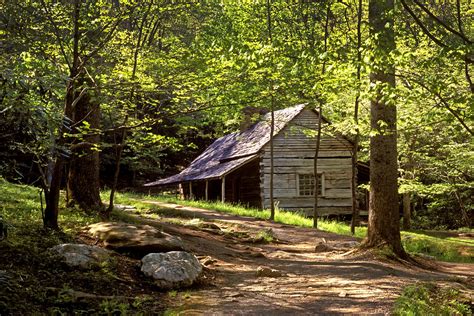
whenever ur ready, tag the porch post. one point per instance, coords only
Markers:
(181, 191)
(206, 193)
(190, 190)
(223, 189)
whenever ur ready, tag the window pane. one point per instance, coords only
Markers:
(306, 185)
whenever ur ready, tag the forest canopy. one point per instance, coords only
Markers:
(121, 92)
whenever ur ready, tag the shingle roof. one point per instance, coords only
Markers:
(233, 150)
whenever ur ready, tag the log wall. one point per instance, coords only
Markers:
(294, 149)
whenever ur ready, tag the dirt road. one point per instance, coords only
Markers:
(311, 283)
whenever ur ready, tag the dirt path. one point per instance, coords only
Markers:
(312, 283)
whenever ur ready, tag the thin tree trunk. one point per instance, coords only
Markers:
(318, 137)
(272, 130)
(384, 218)
(123, 137)
(315, 166)
(51, 211)
(355, 149)
(272, 111)
(465, 216)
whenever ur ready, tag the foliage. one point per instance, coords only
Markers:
(431, 299)
(176, 76)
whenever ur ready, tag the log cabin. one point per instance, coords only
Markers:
(236, 167)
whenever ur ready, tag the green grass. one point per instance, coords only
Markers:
(20, 208)
(33, 272)
(445, 249)
(281, 216)
(430, 299)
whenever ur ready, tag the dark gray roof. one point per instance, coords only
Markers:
(233, 150)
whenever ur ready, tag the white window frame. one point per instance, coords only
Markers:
(322, 184)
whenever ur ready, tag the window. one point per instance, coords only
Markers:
(306, 185)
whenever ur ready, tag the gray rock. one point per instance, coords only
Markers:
(347, 244)
(173, 269)
(135, 239)
(267, 272)
(80, 255)
(323, 247)
(122, 207)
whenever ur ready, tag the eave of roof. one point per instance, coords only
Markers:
(218, 171)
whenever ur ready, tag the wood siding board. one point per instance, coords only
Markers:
(294, 154)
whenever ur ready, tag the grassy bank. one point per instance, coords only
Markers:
(442, 248)
(35, 282)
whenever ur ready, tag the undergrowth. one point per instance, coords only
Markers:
(35, 282)
(430, 299)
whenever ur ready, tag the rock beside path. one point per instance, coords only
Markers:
(137, 240)
(347, 244)
(267, 272)
(323, 247)
(174, 269)
(80, 255)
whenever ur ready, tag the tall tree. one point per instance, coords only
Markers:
(384, 218)
(355, 210)
(272, 110)
(317, 180)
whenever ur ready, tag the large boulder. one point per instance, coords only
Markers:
(137, 240)
(173, 269)
(80, 255)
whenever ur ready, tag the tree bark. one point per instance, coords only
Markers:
(355, 149)
(272, 110)
(384, 218)
(52, 193)
(315, 166)
(83, 182)
(318, 136)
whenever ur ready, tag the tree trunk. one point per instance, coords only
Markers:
(272, 130)
(355, 150)
(384, 218)
(315, 166)
(52, 193)
(318, 136)
(83, 182)
(51, 212)
(272, 110)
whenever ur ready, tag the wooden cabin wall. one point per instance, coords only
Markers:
(294, 154)
(243, 185)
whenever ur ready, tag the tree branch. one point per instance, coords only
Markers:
(441, 22)
(421, 25)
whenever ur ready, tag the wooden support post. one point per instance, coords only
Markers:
(223, 190)
(181, 191)
(190, 190)
(206, 193)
